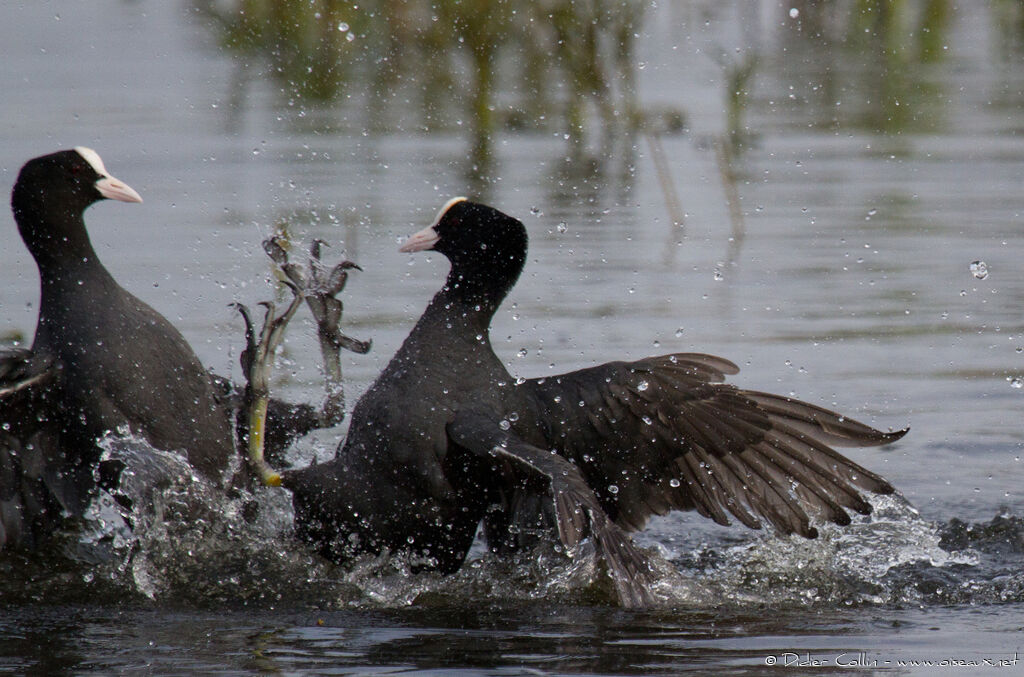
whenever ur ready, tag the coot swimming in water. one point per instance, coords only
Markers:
(116, 363)
(446, 438)
(102, 361)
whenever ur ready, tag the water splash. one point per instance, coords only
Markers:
(167, 536)
(890, 557)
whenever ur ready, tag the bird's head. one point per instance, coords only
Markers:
(53, 190)
(75, 178)
(486, 247)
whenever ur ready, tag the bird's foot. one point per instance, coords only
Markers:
(257, 364)
(319, 286)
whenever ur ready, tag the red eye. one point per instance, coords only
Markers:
(76, 170)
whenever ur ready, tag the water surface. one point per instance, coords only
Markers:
(827, 181)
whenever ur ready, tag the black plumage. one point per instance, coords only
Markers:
(447, 438)
(102, 360)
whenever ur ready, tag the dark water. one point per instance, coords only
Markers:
(826, 182)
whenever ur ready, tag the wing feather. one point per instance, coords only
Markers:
(669, 434)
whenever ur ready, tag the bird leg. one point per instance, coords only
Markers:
(257, 364)
(319, 286)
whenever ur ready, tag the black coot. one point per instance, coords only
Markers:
(447, 438)
(102, 360)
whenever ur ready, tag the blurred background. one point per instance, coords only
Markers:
(828, 192)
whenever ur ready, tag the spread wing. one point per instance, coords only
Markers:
(664, 433)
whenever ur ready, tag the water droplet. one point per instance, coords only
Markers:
(562, 227)
(794, 13)
(513, 416)
(642, 386)
(679, 332)
(613, 488)
(1016, 382)
(522, 352)
(535, 211)
(979, 269)
(343, 27)
(718, 275)
(674, 483)
(504, 424)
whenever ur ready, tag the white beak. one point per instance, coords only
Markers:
(113, 189)
(417, 242)
(107, 185)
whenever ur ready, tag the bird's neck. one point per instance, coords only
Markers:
(473, 296)
(71, 277)
(57, 240)
(457, 308)
(478, 285)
